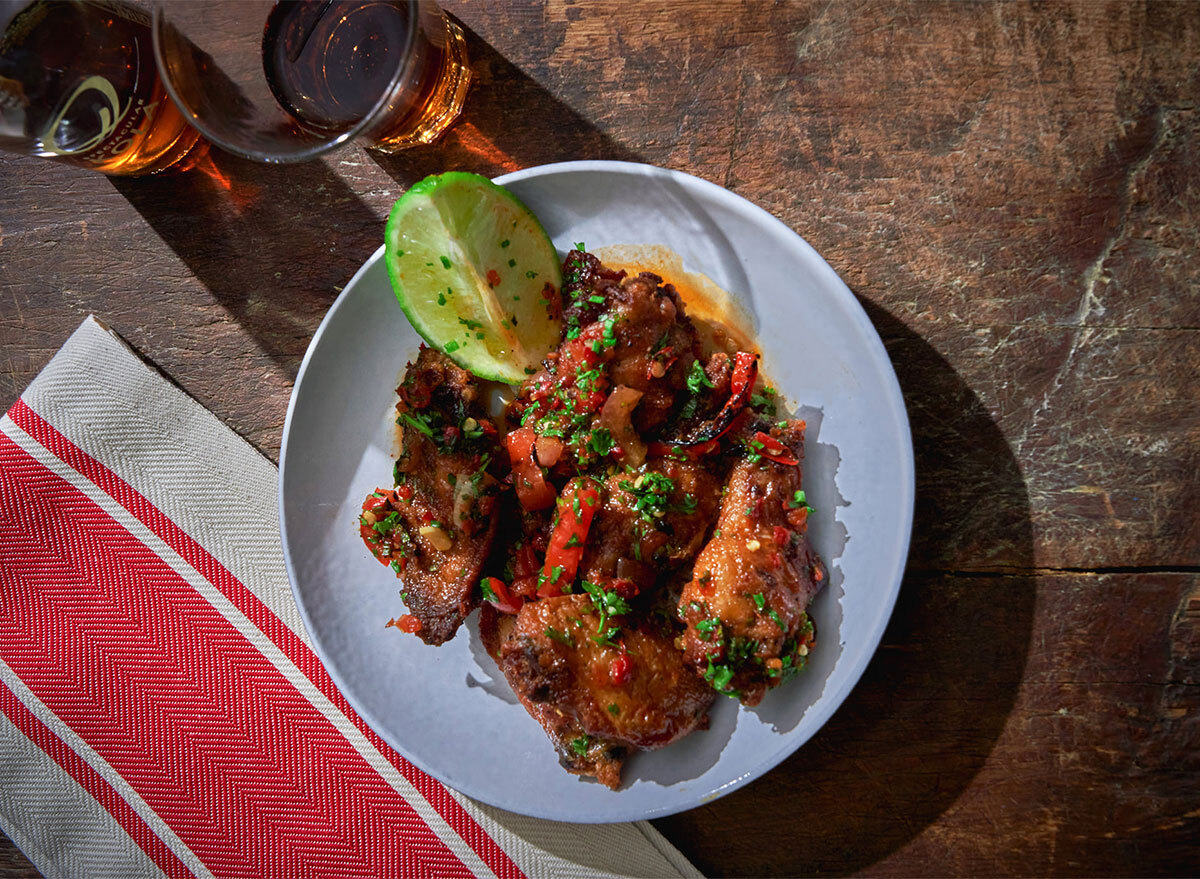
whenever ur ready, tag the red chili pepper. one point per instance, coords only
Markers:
(662, 450)
(620, 670)
(745, 371)
(781, 535)
(533, 491)
(576, 506)
(504, 600)
(493, 278)
(774, 450)
(407, 623)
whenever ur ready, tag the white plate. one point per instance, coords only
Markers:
(448, 709)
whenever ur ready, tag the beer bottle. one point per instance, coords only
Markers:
(78, 84)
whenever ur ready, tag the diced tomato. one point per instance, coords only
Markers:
(781, 535)
(620, 670)
(576, 506)
(404, 492)
(407, 623)
(493, 278)
(533, 491)
(774, 450)
(379, 504)
(505, 601)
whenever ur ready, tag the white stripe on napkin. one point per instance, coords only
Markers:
(194, 469)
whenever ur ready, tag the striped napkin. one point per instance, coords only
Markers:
(161, 709)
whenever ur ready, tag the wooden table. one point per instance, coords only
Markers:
(1011, 191)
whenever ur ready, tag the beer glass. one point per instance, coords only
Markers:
(285, 81)
(78, 84)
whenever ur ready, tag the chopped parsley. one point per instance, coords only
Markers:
(561, 637)
(418, 421)
(607, 603)
(720, 676)
(580, 745)
(764, 400)
(697, 378)
(601, 441)
(445, 262)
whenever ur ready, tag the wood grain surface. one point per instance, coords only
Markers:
(1011, 191)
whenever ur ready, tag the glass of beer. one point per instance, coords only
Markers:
(286, 80)
(78, 84)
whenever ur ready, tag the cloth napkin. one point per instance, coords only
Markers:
(162, 711)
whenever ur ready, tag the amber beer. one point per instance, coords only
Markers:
(78, 84)
(328, 64)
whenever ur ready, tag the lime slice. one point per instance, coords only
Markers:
(469, 264)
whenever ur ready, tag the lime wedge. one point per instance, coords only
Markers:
(469, 264)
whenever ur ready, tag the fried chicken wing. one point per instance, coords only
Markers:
(597, 689)
(745, 607)
(436, 527)
(651, 520)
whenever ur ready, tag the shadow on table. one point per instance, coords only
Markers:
(275, 243)
(509, 122)
(934, 700)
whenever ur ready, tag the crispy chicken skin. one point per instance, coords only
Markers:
(445, 497)
(747, 629)
(618, 332)
(626, 542)
(638, 530)
(597, 700)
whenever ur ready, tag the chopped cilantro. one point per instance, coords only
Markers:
(418, 421)
(488, 594)
(561, 637)
(445, 262)
(451, 346)
(601, 441)
(580, 745)
(697, 378)
(759, 600)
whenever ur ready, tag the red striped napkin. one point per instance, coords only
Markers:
(161, 709)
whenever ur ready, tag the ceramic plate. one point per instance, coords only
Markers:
(448, 709)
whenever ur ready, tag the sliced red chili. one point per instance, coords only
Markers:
(504, 600)
(774, 450)
(576, 507)
(533, 491)
(662, 450)
(745, 372)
